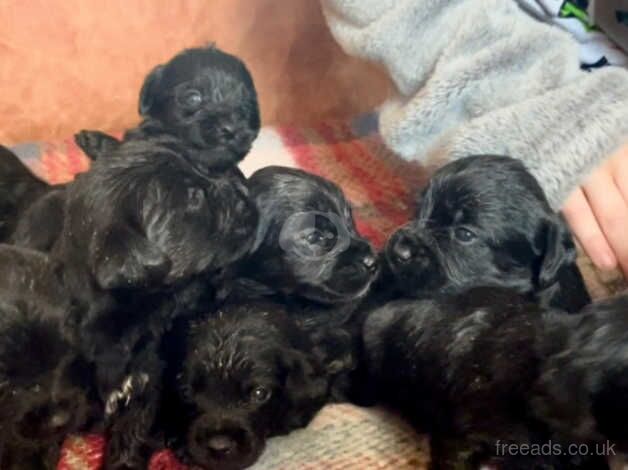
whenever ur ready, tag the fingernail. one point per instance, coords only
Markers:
(607, 261)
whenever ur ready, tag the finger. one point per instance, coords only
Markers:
(582, 221)
(620, 172)
(611, 212)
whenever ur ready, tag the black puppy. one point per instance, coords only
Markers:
(306, 246)
(203, 96)
(144, 232)
(45, 383)
(486, 367)
(147, 217)
(240, 376)
(31, 211)
(308, 256)
(484, 221)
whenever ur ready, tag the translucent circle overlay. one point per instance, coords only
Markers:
(294, 233)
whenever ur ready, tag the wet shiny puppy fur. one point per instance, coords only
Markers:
(241, 375)
(484, 221)
(203, 96)
(144, 218)
(487, 367)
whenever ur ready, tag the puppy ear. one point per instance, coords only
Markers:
(305, 388)
(148, 93)
(557, 249)
(95, 144)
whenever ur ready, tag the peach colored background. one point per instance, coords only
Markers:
(72, 64)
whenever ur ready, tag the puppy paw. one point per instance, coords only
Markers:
(133, 385)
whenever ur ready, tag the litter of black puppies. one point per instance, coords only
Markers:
(180, 303)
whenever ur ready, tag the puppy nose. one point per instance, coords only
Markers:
(403, 249)
(370, 262)
(228, 131)
(60, 419)
(222, 444)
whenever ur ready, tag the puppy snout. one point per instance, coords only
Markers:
(222, 444)
(218, 441)
(370, 261)
(228, 131)
(402, 250)
(60, 420)
(407, 247)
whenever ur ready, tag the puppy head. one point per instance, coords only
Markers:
(179, 222)
(482, 220)
(306, 242)
(203, 225)
(43, 382)
(207, 98)
(249, 373)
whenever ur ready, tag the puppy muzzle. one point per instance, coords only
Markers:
(51, 420)
(354, 271)
(406, 247)
(413, 261)
(223, 443)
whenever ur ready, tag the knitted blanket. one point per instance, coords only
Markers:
(381, 188)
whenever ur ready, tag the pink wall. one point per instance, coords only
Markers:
(71, 64)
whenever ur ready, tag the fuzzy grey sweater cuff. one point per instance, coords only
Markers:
(481, 76)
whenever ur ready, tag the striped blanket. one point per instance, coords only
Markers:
(381, 188)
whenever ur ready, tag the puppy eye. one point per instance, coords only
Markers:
(191, 99)
(464, 235)
(227, 132)
(196, 197)
(260, 395)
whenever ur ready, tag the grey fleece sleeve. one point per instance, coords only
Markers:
(481, 76)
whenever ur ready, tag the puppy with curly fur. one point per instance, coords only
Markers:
(306, 247)
(240, 376)
(484, 221)
(203, 96)
(46, 384)
(31, 211)
(487, 367)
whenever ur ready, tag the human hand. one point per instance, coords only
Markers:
(597, 213)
